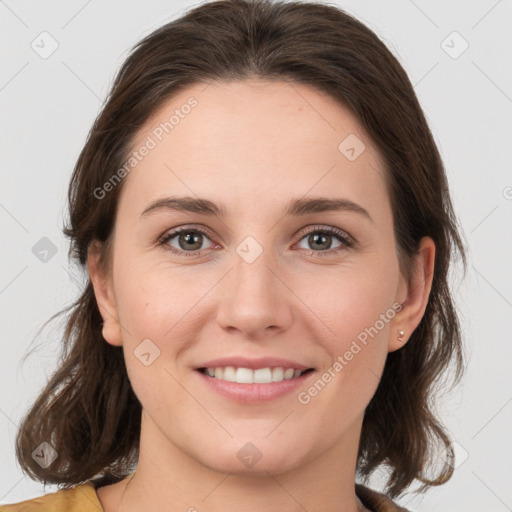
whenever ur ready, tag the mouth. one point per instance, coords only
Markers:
(247, 386)
(241, 375)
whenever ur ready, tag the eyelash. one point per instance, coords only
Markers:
(346, 240)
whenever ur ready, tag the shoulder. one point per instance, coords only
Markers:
(81, 498)
(375, 501)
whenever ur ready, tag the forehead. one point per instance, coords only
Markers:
(254, 140)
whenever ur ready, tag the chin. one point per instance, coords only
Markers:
(256, 457)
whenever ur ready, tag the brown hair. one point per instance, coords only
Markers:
(88, 411)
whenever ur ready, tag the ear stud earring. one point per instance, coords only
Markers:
(400, 335)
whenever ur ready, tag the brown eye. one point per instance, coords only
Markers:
(190, 241)
(320, 241)
(184, 240)
(327, 240)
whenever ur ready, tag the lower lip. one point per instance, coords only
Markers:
(254, 393)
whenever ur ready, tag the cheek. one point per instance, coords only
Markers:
(155, 312)
(153, 297)
(355, 316)
(354, 299)
(355, 323)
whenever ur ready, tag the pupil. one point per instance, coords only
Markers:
(190, 238)
(321, 237)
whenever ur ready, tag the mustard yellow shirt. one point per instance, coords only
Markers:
(83, 498)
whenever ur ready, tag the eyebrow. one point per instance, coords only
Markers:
(295, 207)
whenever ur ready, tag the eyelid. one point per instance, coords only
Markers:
(331, 230)
(171, 233)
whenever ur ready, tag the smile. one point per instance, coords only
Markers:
(247, 386)
(249, 376)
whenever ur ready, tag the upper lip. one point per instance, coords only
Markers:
(254, 364)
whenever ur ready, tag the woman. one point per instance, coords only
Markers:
(267, 229)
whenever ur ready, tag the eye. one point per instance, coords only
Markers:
(184, 241)
(320, 240)
(188, 241)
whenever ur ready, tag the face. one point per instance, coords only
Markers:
(253, 281)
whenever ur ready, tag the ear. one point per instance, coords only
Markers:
(104, 293)
(415, 295)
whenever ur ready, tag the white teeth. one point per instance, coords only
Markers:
(288, 373)
(244, 376)
(229, 374)
(249, 376)
(277, 374)
(262, 375)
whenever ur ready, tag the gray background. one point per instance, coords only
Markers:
(49, 104)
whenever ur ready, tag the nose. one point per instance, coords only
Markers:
(255, 301)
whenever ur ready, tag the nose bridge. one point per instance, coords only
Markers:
(253, 298)
(251, 272)
(252, 262)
